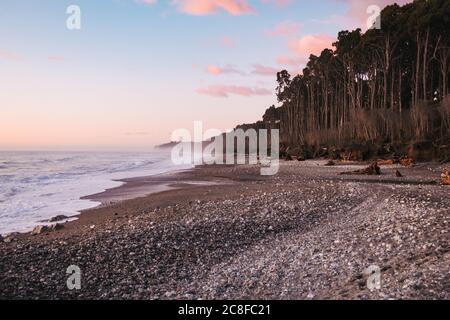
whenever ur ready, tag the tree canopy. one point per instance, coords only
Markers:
(389, 84)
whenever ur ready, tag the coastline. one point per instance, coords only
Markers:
(36, 187)
(137, 187)
(227, 232)
(131, 190)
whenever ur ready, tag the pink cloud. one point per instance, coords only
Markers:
(310, 44)
(216, 70)
(264, 70)
(228, 42)
(295, 72)
(224, 91)
(285, 60)
(284, 29)
(303, 47)
(8, 56)
(355, 17)
(56, 58)
(205, 7)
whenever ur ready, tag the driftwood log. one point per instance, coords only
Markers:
(445, 178)
(385, 162)
(371, 170)
(407, 162)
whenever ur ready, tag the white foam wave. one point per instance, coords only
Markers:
(35, 186)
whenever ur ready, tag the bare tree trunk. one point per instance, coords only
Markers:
(386, 70)
(425, 65)
(392, 90)
(444, 55)
(400, 107)
(416, 81)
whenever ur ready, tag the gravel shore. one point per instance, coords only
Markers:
(305, 233)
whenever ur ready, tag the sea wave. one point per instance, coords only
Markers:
(38, 185)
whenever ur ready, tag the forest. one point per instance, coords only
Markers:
(383, 91)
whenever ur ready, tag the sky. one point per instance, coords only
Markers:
(136, 70)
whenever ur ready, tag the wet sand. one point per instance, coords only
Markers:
(138, 187)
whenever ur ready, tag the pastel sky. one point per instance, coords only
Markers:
(138, 69)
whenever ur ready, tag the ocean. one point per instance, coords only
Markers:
(36, 186)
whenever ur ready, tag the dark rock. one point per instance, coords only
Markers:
(11, 237)
(398, 174)
(56, 227)
(58, 218)
(40, 229)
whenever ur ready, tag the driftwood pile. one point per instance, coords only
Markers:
(385, 162)
(405, 162)
(371, 170)
(445, 178)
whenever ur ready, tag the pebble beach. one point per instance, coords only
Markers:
(226, 232)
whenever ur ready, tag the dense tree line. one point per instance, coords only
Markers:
(384, 85)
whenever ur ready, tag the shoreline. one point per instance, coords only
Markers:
(40, 186)
(134, 188)
(137, 187)
(185, 180)
(305, 233)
